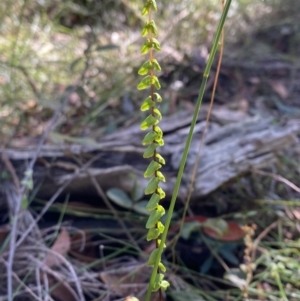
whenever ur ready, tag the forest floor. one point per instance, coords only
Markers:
(82, 248)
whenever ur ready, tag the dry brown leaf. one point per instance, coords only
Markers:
(60, 290)
(82, 249)
(4, 229)
(61, 246)
(86, 259)
(126, 280)
(79, 241)
(279, 87)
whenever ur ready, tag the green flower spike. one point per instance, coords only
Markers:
(153, 140)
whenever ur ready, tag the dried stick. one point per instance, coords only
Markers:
(26, 288)
(278, 178)
(108, 204)
(21, 192)
(53, 198)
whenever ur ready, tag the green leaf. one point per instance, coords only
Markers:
(220, 226)
(151, 169)
(162, 267)
(145, 29)
(140, 207)
(143, 71)
(152, 4)
(153, 257)
(148, 122)
(150, 43)
(147, 104)
(145, 68)
(145, 10)
(149, 151)
(149, 65)
(156, 82)
(153, 202)
(158, 97)
(188, 228)
(154, 233)
(156, 65)
(157, 85)
(137, 191)
(155, 216)
(119, 197)
(149, 27)
(146, 47)
(152, 27)
(149, 138)
(152, 186)
(155, 44)
(160, 158)
(160, 176)
(157, 113)
(145, 83)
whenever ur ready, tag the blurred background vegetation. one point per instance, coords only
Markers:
(47, 46)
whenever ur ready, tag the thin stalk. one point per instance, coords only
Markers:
(193, 177)
(187, 145)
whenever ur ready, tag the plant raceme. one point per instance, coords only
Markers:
(153, 140)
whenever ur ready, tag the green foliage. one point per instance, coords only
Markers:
(151, 169)
(154, 233)
(149, 138)
(121, 198)
(153, 202)
(149, 152)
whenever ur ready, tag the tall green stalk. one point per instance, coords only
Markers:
(156, 229)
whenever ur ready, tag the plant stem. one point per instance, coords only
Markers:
(187, 145)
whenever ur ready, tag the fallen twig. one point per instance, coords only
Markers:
(22, 191)
(278, 178)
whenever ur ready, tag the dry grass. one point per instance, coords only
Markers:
(40, 58)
